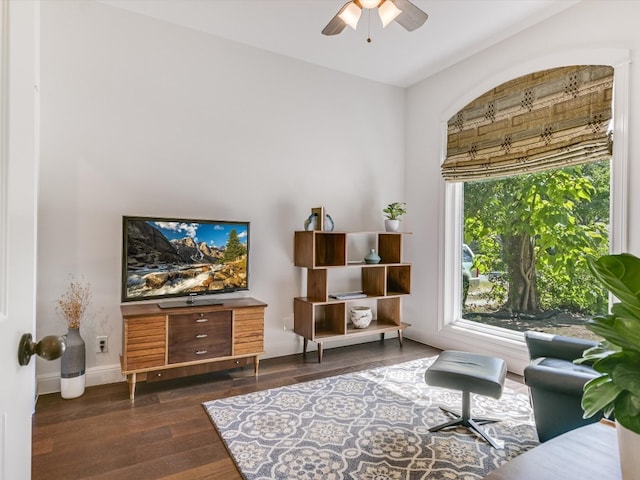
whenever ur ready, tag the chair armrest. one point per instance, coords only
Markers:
(569, 382)
(556, 346)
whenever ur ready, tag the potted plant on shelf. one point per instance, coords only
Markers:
(393, 212)
(617, 357)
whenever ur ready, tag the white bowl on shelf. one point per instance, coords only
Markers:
(360, 316)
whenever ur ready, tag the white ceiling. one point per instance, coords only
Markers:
(456, 29)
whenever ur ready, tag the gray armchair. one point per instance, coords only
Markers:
(556, 383)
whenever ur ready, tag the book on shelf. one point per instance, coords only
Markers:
(348, 295)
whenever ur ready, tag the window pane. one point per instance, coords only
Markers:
(528, 237)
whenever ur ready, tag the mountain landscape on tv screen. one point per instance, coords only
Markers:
(158, 266)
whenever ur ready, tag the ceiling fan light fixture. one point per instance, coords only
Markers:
(350, 14)
(388, 12)
(403, 12)
(369, 3)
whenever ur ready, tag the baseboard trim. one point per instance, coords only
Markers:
(50, 383)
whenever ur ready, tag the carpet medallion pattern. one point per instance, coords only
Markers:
(369, 425)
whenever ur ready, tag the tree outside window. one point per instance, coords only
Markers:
(531, 235)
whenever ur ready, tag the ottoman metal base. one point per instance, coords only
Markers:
(471, 423)
(468, 372)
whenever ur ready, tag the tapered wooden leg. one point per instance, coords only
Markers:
(382, 337)
(319, 352)
(131, 380)
(256, 362)
(305, 344)
(400, 337)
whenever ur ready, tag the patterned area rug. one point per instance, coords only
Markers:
(369, 425)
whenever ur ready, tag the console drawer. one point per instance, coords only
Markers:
(199, 336)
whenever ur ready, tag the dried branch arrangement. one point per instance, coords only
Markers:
(74, 302)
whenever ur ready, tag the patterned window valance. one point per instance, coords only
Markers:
(548, 119)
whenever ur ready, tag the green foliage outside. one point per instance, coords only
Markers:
(537, 230)
(234, 249)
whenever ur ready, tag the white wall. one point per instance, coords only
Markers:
(140, 117)
(591, 32)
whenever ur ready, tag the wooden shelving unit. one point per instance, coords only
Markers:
(320, 318)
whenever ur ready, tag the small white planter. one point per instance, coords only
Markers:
(391, 225)
(360, 316)
(629, 446)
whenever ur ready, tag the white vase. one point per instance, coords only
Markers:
(391, 225)
(629, 446)
(360, 316)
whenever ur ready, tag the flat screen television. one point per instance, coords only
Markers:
(183, 258)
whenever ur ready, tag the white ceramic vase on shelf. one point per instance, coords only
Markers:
(629, 446)
(360, 316)
(391, 225)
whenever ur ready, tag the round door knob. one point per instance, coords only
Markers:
(49, 348)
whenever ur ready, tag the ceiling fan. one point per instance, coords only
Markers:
(402, 11)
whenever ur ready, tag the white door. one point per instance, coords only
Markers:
(18, 180)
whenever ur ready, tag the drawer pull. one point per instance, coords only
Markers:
(202, 320)
(202, 335)
(201, 352)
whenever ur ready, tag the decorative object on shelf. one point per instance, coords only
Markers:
(372, 257)
(318, 220)
(72, 306)
(360, 316)
(393, 212)
(348, 295)
(617, 357)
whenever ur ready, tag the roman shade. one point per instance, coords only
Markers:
(548, 119)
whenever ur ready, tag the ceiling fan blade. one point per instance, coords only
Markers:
(336, 25)
(411, 16)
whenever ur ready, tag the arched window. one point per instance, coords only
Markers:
(528, 171)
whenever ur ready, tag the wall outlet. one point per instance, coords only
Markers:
(102, 344)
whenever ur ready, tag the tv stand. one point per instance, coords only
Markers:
(160, 343)
(189, 302)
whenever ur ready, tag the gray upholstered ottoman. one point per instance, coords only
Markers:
(468, 372)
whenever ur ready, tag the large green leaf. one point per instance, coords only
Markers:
(627, 408)
(608, 363)
(619, 328)
(599, 394)
(626, 374)
(621, 275)
(601, 350)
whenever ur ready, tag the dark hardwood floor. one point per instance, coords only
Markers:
(165, 433)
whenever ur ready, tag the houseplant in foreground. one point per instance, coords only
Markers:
(617, 357)
(393, 212)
